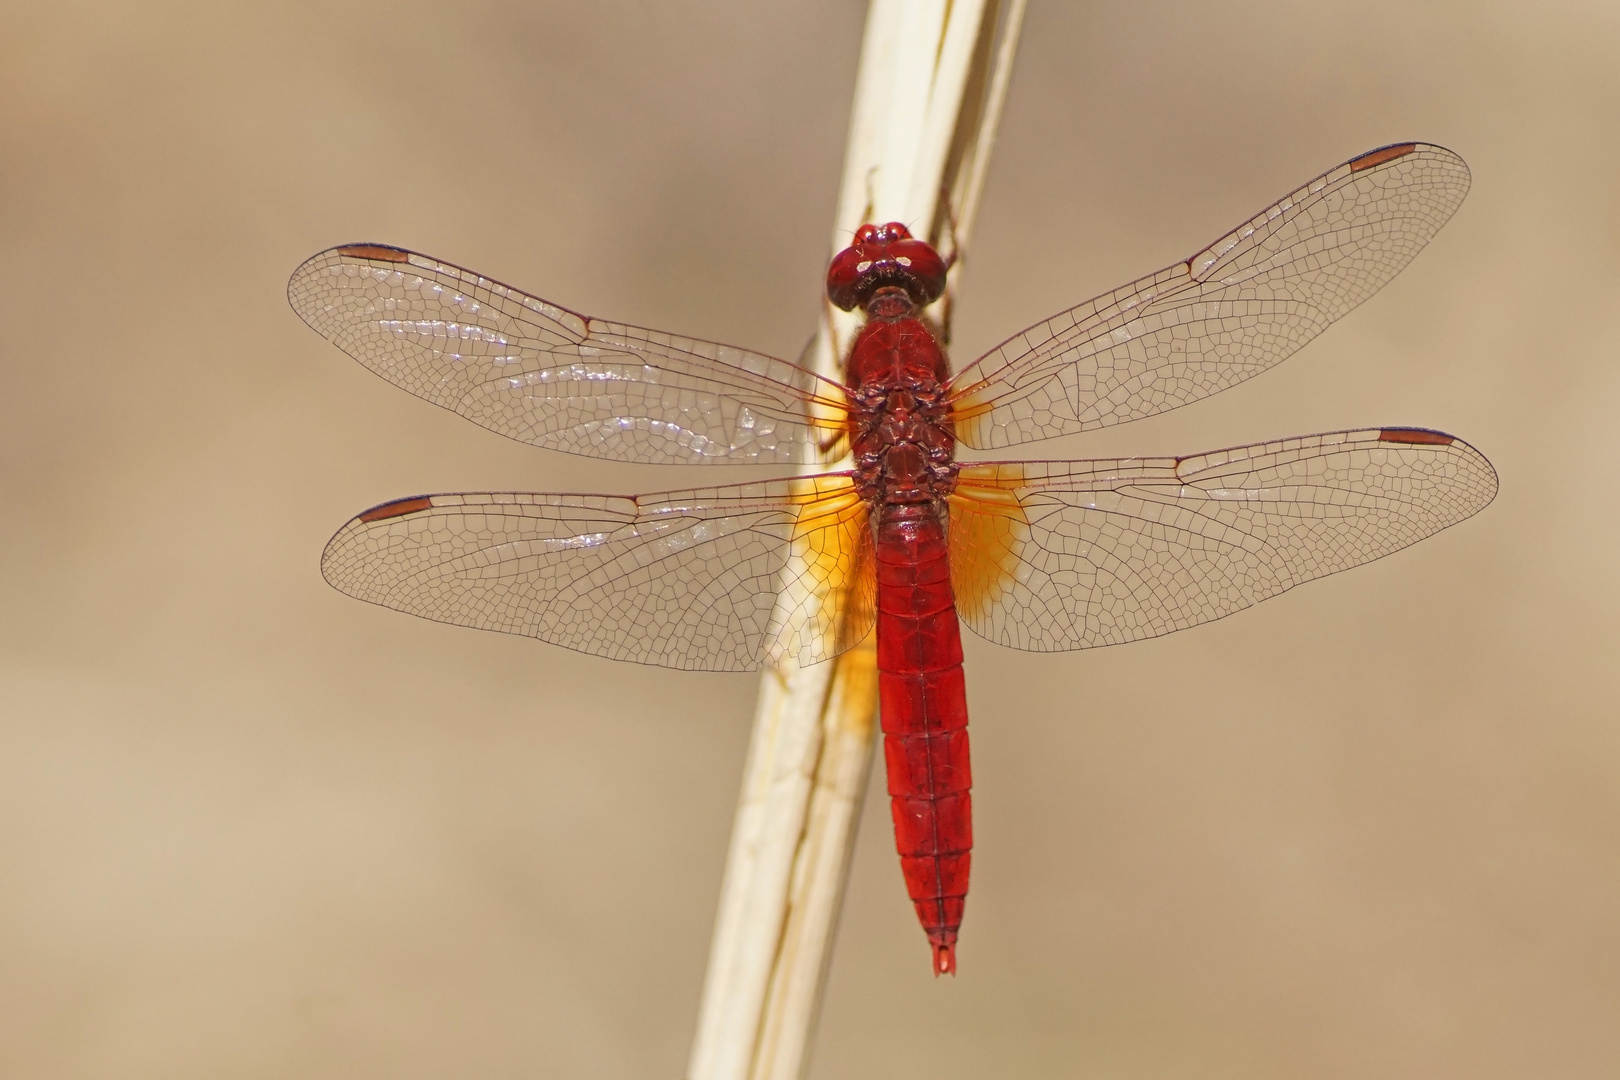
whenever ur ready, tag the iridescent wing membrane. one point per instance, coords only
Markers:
(722, 579)
(1045, 556)
(1222, 316)
(1056, 555)
(547, 376)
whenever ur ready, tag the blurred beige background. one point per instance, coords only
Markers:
(251, 828)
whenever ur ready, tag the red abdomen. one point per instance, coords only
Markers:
(924, 716)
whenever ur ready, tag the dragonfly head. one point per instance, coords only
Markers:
(885, 255)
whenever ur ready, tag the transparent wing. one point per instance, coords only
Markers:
(721, 579)
(545, 375)
(1228, 313)
(1057, 555)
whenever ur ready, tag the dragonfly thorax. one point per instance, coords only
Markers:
(900, 432)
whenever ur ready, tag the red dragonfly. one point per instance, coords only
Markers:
(1038, 555)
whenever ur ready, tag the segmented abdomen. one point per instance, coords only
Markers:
(924, 716)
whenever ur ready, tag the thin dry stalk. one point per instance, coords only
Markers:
(928, 96)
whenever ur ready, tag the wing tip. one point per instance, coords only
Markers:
(316, 265)
(1412, 436)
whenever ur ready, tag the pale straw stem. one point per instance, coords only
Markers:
(928, 95)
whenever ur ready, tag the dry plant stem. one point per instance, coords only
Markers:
(928, 95)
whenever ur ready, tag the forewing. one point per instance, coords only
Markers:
(545, 375)
(1055, 555)
(1227, 313)
(721, 579)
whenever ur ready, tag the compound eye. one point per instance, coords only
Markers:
(884, 255)
(924, 267)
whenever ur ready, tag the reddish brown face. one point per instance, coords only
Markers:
(885, 255)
